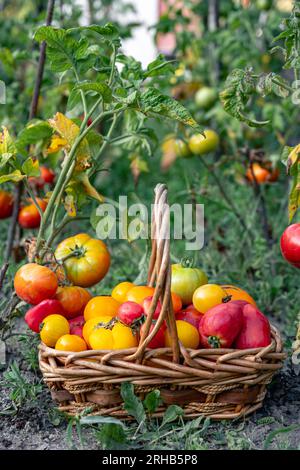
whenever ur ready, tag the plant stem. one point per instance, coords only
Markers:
(66, 220)
(13, 223)
(106, 141)
(283, 85)
(32, 195)
(113, 64)
(64, 172)
(56, 209)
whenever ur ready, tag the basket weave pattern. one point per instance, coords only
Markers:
(220, 383)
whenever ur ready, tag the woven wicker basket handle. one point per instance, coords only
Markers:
(159, 275)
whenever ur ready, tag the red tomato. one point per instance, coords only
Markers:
(159, 339)
(29, 216)
(129, 311)
(147, 303)
(190, 315)
(76, 325)
(47, 175)
(256, 330)
(6, 204)
(34, 283)
(290, 244)
(220, 325)
(35, 315)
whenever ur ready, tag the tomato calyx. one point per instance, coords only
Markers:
(214, 342)
(187, 262)
(226, 299)
(108, 326)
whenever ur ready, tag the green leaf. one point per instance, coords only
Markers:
(112, 436)
(31, 167)
(100, 88)
(172, 413)
(101, 420)
(160, 66)
(294, 197)
(108, 33)
(152, 101)
(240, 85)
(94, 140)
(33, 133)
(152, 401)
(14, 177)
(63, 51)
(267, 86)
(132, 403)
(74, 99)
(275, 433)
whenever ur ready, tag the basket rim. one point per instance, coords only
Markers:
(275, 346)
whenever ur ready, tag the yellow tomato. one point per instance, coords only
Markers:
(101, 338)
(123, 337)
(102, 305)
(89, 326)
(119, 337)
(187, 334)
(208, 296)
(138, 293)
(54, 326)
(70, 343)
(119, 292)
(90, 262)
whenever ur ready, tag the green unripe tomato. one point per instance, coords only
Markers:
(206, 97)
(182, 149)
(185, 281)
(264, 4)
(199, 145)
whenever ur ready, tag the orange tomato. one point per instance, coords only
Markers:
(73, 299)
(258, 173)
(89, 326)
(29, 216)
(176, 302)
(102, 305)
(119, 337)
(90, 262)
(119, 292)
(34, 283)
(138, 293)
(237, 293)
(70, 343)
(54, 326)
(187, 334)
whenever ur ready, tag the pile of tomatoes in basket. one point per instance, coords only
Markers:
(68, 318)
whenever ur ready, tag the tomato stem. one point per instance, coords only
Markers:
(214, 342)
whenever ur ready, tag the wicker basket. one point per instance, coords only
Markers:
(220, 383)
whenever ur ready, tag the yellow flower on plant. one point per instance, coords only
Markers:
(57, 143)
